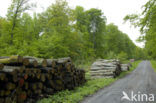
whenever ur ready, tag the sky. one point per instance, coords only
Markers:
(114, 10)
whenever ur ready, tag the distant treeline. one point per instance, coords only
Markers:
(146, 22)
(60, 31)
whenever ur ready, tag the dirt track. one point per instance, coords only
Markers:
(141, 81)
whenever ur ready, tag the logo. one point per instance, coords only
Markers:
(138, 97)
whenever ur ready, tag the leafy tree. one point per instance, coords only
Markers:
(61, 31)
(118, 42)
(96, 26)
(122, 56)
(92, 24)
(14, 12)
(147, 23)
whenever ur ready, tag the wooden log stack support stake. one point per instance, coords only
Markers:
(105, 68)
(27, 79)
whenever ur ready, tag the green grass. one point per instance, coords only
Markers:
(153, 62)
(125, 61)
(89, 88)
(79, 93)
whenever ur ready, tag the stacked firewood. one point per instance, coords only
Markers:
(105, 68)
(25, 79)
(125, 67)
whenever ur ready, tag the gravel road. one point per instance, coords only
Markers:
(140, 87)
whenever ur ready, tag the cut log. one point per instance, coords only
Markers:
(37, 92)
(125, 67)
(16, 58)
(10, 86)
(29, 93)
(33, 86)
(50, 84)
(2, 100)
(103, 74)
(2, 76)
(12, 60)
(30, 62)
(3, 57)
(26, 85)
(7, 93)
(1, 66)
(48, 90)
(51, 62)
(104, 68)
(8, 100)
(14, 78)
(43, 78)
(21, 82)
(68, 66)
(25, 76)
(63, 60)
(11, 69)
(41, 62)
(2, 93)
(40, 85)
(34, 78)
(49, 76)
(22, 96)
(38, 75)
(46, 70)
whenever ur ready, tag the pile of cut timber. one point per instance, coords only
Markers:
(105, 68)
(125, 67)
(26, 79)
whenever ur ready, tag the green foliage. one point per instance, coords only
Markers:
(140, 53)
(61, 31)
(111, 55)
(153, 62)
(116, 42)
(146, 21)
(122, 56)
(16, 9)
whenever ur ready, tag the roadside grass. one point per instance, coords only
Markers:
(76, 95)
(125, 61)
(153, 62)
(89, 88)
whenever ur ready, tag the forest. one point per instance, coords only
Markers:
(73, 55)
(61, 31)
(146, 22)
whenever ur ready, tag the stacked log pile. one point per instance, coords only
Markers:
(125, 67)
(105, 68)
(26, 79)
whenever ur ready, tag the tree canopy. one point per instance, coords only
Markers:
(60, 31)
(146, 21)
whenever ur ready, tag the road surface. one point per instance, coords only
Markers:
(139, 86)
